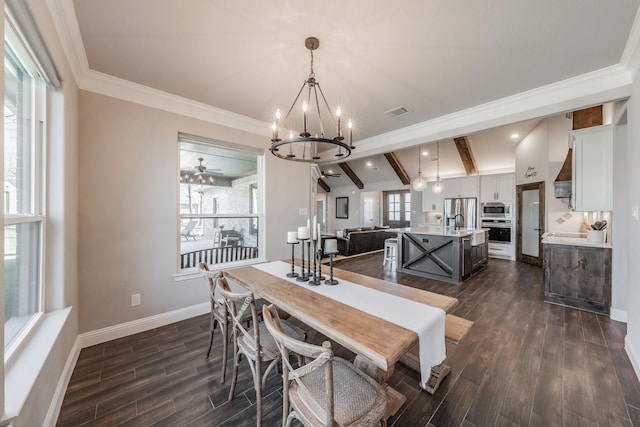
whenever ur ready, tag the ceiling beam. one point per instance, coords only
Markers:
(464, 150)
(351, 174)
(587, 117)
(398, 168)
(324, 185)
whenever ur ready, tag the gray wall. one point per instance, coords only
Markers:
(127, 219)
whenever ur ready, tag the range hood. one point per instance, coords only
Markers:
(562, 184)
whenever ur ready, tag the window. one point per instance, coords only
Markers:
(397, 208)
(24, 100)
(220, 202)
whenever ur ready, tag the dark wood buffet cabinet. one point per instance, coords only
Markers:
(578, 276)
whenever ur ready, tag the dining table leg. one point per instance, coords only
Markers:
(395, 399)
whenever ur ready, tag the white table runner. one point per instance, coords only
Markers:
(426, 321)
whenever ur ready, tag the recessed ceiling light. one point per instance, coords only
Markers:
(425, 153)
(515, 135)
(369, 164)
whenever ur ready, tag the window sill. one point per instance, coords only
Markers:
(25, 366)
(193, 273)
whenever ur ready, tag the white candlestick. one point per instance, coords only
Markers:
(303, 232)
(331, 246)
(292, 237)
(315, 228)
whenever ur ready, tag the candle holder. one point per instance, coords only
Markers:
(293, 273)
(331, 280)
(303, 277)
(309, 259)
(316, 280)
(320, 276)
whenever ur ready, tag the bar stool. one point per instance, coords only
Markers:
(390, 250)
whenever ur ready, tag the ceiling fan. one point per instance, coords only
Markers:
(329, 174)
(200, 168)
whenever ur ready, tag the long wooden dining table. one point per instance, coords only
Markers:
(377, 343)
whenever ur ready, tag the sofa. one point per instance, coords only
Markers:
(356, 241)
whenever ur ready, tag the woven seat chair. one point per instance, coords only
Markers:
(328, 391)
(254, 342)
(219, 315)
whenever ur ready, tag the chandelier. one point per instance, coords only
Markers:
(311, 144)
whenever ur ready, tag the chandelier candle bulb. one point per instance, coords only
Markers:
(303, 233)
(338, 113)
(292, 237)
(350, 125)
(305, 108)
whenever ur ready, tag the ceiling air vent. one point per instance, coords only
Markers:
(398, 111)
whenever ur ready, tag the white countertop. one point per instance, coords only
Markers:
(572, 239)
(441, 230)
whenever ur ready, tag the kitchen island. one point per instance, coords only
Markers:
(442, 253)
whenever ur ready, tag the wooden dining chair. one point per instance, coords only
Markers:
(219, 316)
(327, 391)
(254, 342)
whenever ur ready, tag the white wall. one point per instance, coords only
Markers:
(544, 149)
(633, 230)
(355, 214)
(128, 169)
(620, 224)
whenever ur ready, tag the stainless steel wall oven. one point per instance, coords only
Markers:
(500, 230)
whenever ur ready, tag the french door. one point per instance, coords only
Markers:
(397, 208)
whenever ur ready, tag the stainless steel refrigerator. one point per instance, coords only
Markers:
(461, 212)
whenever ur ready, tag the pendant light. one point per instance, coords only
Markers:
(420, 183)
(438, 186)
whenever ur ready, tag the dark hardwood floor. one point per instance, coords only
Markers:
(524, 363)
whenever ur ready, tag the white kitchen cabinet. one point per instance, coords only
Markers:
(432, 202)
(461, 187)
(592, 177)
(497, 188)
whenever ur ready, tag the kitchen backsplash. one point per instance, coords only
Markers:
(571, 221)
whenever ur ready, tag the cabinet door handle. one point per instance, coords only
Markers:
(537, 229)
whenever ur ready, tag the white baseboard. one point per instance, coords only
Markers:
(618, 315)
(99, 336)
(633, 354)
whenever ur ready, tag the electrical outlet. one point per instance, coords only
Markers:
(302, 211)
(634, 213)
(135, 300)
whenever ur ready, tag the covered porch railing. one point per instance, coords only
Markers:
(218, 255)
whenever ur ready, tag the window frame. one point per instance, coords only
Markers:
(38, 166)
(259, 207)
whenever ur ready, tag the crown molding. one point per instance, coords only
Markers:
(125, 90)
(607, 84)
(631, 54)
(65, 20)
